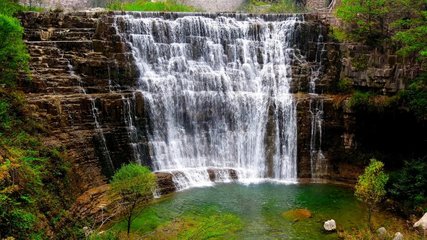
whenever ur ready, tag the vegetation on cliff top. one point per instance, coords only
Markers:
(379, 23)
(145, 5)
(376, 23)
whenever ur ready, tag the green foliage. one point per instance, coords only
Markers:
(359, 99)
(144, 5)
(370, 187)
(360, 62)
(133, 181)
(4, 115)
(413, 39)
(338, 34)
(10, 7)
(409, 185)
(365, 19)
(108, 235)
(415, 97)
(13, 53)
(33, 178)
(132, 184)
(411, 28)
(211, 224)
(373, 22)
(345, 85)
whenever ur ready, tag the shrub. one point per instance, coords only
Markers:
(359, 99)
(345, 85)
(132, 184)
(408, 186)
(370, 187)
(13, 53)
(415, 97)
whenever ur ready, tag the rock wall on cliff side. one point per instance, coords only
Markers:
(77, 64)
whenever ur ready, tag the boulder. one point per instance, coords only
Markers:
(398, 236)
(165, 184)
(330, 225)
(422, 222)
(382, 232)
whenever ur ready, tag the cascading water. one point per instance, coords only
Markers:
(95, 114)
(317, 159)
(213, 88)
(131, 128)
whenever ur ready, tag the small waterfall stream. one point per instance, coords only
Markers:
(95, 114)
(317, 159)
(217, 91)
(131, 127)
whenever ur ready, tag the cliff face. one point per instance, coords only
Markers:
(83, 82)
(77, 64)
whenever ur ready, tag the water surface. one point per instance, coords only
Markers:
(236, 211)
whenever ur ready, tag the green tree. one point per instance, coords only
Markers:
(370, 187)
(409, 185)
(414, 97)
(365, 19)
(133, 184)
(412, 34)
(13, 53)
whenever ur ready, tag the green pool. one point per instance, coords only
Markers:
(235, 211)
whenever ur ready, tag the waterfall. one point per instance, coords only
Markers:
(95, 114)
(131, 128)
(317, 159)
(217, 92)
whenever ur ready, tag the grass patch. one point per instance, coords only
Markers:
(360, 100)
(345, 85)
(10, 8)
(280, 6)
(147, 6)
(218, 226)
(150, 224)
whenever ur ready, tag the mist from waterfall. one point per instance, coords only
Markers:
(217, 91)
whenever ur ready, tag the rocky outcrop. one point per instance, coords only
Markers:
(165, 184)
(379, 70)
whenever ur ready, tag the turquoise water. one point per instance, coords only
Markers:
(253, 212)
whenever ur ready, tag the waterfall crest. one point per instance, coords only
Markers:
(217, 90)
